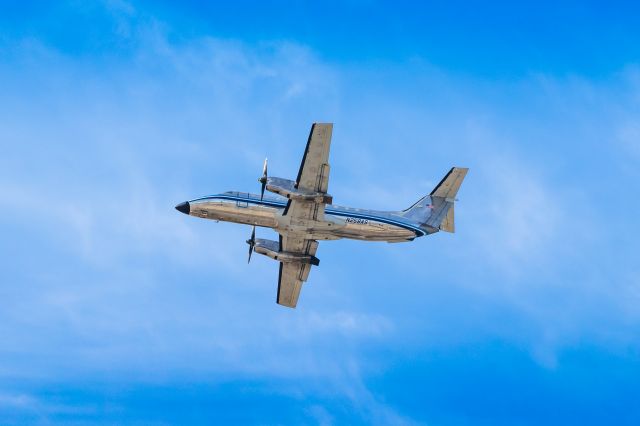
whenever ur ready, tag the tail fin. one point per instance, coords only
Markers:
(435, 211)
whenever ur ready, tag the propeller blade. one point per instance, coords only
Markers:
(252, 242)
(263, 179)
(264, 185)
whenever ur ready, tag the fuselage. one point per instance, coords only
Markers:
(339, 222)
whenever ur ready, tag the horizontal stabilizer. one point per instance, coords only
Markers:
(450, 184)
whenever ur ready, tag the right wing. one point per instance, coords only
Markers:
(293, 274)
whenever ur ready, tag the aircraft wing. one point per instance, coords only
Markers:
(293, 274)
(314, 169)
(313, 175)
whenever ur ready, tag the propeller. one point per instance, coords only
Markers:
(252, 242)
(263, 179)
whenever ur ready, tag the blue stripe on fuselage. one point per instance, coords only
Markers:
(281, 204)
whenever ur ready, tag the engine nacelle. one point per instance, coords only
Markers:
(271, 249)
(287, 188)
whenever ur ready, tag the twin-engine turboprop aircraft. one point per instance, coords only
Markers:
(302, 213)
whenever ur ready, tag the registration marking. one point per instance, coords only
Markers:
(357, 221)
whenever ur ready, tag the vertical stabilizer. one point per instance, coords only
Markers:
(436, 211)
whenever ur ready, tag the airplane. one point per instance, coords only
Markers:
(302, 213)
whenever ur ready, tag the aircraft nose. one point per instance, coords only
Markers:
(183, 207)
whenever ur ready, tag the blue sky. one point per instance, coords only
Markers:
(116, 309)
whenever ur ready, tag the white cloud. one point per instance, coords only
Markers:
(628, 135)
(520, 217)
(352, 325)
(21, 401)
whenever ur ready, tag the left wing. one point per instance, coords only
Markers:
(313, 175)
(314, 169)
(293, 274)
